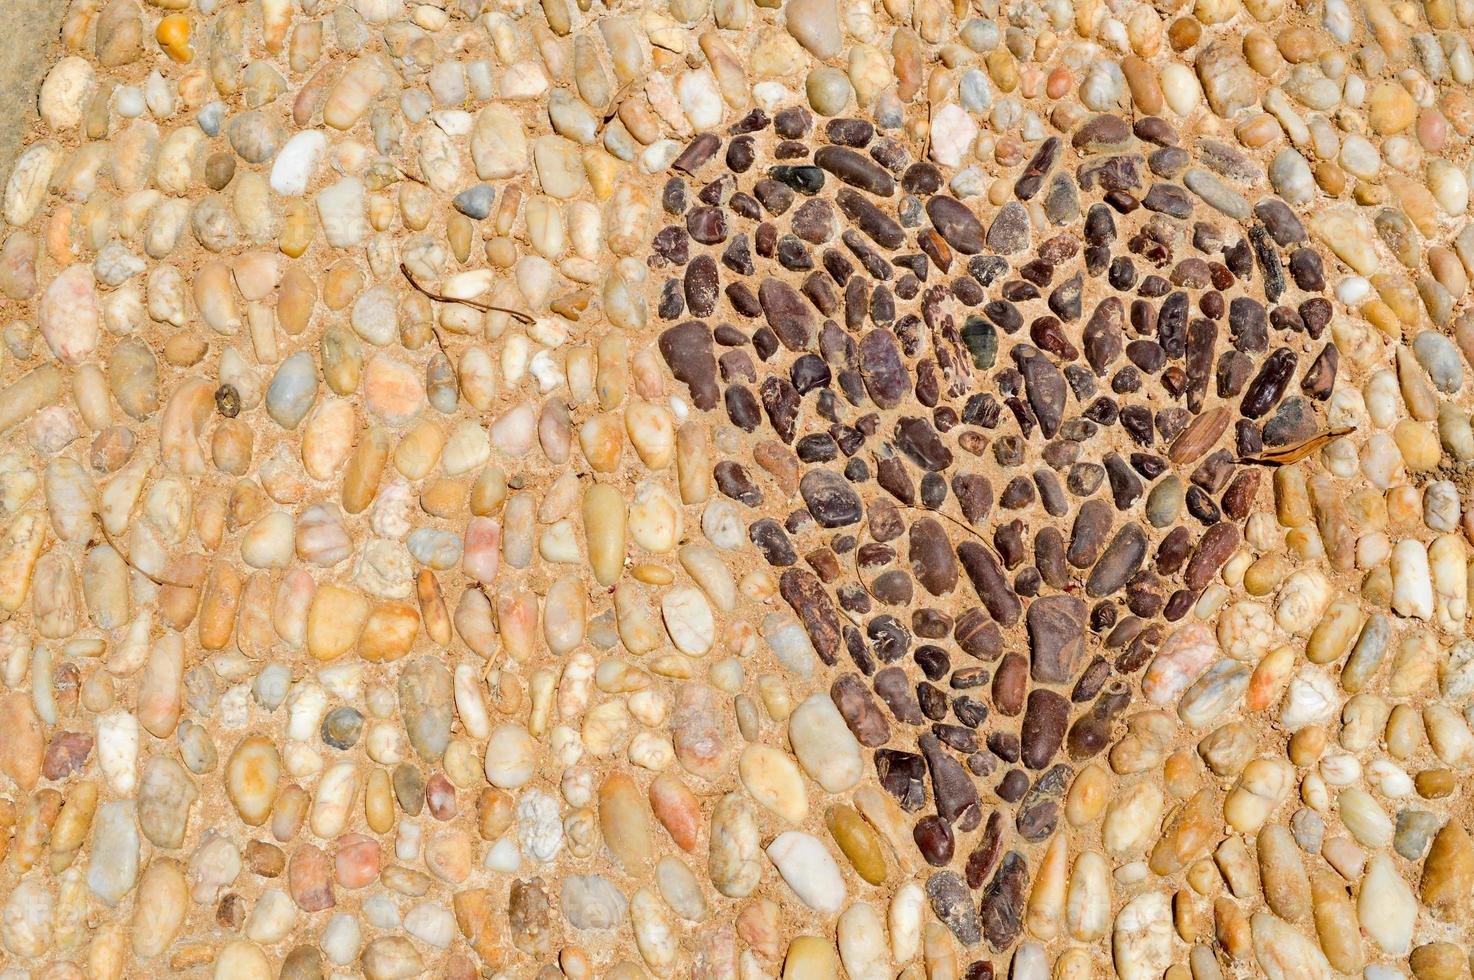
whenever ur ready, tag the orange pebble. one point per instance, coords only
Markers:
(173, 36)
(1060, 83)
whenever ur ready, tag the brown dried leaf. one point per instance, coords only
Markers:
(1286, 455)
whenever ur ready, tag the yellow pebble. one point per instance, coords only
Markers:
(653, 574)
(1419, 445)
(173, 36)
(297, 229)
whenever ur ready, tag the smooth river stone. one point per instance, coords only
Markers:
(824, 744)
(1142, 940)
(1056, 638)
(1122, 557)
(687, 349)
(956, 223)
(809, 869)
(1180, 660)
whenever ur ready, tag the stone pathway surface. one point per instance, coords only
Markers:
(739, 489)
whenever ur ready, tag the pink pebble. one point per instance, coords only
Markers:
(357, 860)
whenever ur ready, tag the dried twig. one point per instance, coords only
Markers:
(926, 143)
(1286, 455)
(409, 176)
(101, 526)
(474, 304)
(618, 100)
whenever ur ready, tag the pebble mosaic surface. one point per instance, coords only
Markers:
(737, 489)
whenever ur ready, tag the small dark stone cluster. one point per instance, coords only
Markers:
(1057, 423)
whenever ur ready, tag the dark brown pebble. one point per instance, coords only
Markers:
(755, 121)
(1112, 174)
(956, 223)
(875, 264)
(1056, 626)
(921, 444)
(977, 635)
(1218, 543)
(743, 300)
(934, 839)
(1126, 487)
(903, 775)
(787, 313)
(1306, 270)
(1038, 814)
(881, 228)
(952, 904)
(1002, 904)
(706, 224)
(775, 197)
(770, 538)
(808, 599)
(955, 793)
(1238, 499)
(1315, 313)
(860, 712)
(1046, 390)
(886, 378)
(733, 480)
(687, 349)
(894, 688)
(1092, 731)
(1043, 731)
(988, 580)
(1202, 338)
(1156, 130)
(933, 661)
(1092, 523)
(1049, 557)
(1283, 226)
(849, 132)
(701, 286)
(1140, 650)
(1092, 679)
(932, 700)
(814, 221)
(856, 169)
(1038, 167)
(741, 155)
(1268, 386)
(985, 853)
(921, 178)
(958, 737)
(793, 122)
(1320, 377)
(884, 520)
(1179, 604)
(696, 153)
(780, 401)
(1009, 232)
(736, 365)
(1122, 557)
(1010, 682)
(737, 256)
(932, 559)
(888, 637)
(931, 624)
(1102, 134)
(1013, 786)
